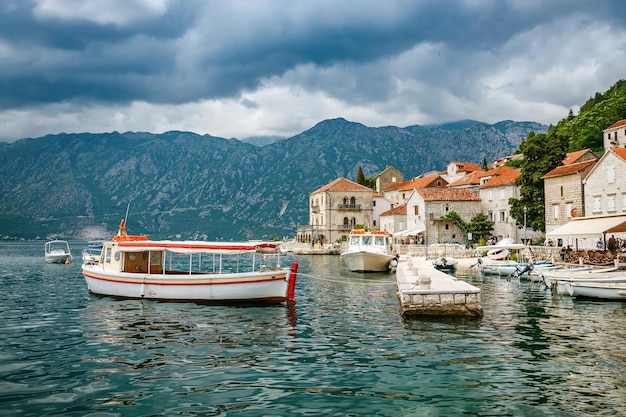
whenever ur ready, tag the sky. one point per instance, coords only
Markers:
(277, 67)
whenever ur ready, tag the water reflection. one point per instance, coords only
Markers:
(343, 350)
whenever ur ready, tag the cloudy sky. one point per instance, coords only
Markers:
(277, 67)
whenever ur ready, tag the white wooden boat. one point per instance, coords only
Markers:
(57, 252)
(369, 251)
(219, 272)
(445, 263)
(551, 278)
(561, 285)
(502, 249)
(606, 291)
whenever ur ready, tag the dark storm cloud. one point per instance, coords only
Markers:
(394, 54)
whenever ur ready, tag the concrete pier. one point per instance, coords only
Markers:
(425, 291)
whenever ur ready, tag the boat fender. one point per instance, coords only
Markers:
(394, 262)
(263, 268)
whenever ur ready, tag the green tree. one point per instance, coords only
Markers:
(480, 227)
(360, 178)
(542, 153)
(484, 164)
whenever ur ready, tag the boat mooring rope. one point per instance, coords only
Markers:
(346, 280)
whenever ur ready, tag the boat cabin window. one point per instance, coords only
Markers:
(108, 256)
(354, 240)
(366, 240)
(379, 240)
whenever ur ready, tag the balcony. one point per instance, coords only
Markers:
(344, 227)
(315, 209)
(353, 207)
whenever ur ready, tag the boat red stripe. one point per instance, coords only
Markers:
(139, 281)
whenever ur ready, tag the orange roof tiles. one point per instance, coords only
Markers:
(570, 169)
(400, 210)
(417, 183)
(447, 194)
(503, 175)
(342, 184)
(469, 179)
(616, 124)
(621, 152)
(573, 157)
(466, 166)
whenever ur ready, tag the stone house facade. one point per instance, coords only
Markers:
(380, 204)
(614, 136)
(388, 177)
(394, 219)
(605, 188)
(425, 206)
(564, 193)
(496, 188)
(399, 193)
(335, 209)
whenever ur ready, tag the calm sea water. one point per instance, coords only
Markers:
(343, 351)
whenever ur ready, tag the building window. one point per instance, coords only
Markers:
(596, 204)
(568, 210)
(623, 202)
(491, 216)
(610, 174)
(446, 209)
(447, 226)
(416, 210)
(439, 184)
(610, 203)
(503, 216)
(555, 212)
(561, 191)
(374, 203)
(502, 195)
(490, 196)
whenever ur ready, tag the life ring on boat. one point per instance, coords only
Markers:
(498, 253)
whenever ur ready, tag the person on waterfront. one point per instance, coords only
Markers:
(599, 244)
(612, 245)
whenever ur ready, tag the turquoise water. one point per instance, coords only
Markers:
(343, 351)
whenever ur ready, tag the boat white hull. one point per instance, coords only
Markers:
(364, 261)
(606, 291)
(561, 285)
(265, 287)
(57, 258)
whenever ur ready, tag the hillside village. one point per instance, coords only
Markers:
(586, 185)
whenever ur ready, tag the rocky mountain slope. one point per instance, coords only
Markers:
(181, 184)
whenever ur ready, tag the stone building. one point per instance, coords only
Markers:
(564, 191)
(614, 136)
(424, 209)
(388, 177)
(394, 219)
(605, 187)
(335, 209)
(496, 188)
(380, 204)
(399, 192)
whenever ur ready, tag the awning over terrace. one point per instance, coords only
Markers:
(585, 227)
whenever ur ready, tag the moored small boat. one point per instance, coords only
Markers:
(605, 291)
(445, 263)
(217, 272)
(369, 251)
(57, 252)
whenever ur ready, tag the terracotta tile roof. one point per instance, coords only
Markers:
(466, 166)
(570, 169)
(400, 210)
(447, 194)
(473, 178)
(573, 157)
(417, 183)
(503, 175)
(621, 152)
(616, 124)
(342, 184)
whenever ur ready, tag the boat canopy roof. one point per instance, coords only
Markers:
(590, 226)
(190, 247)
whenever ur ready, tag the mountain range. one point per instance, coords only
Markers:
(189, 186)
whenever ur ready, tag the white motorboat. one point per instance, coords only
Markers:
(219, 272)
(605, 291)
(551, 278)
(57, 252)
(369, 251)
